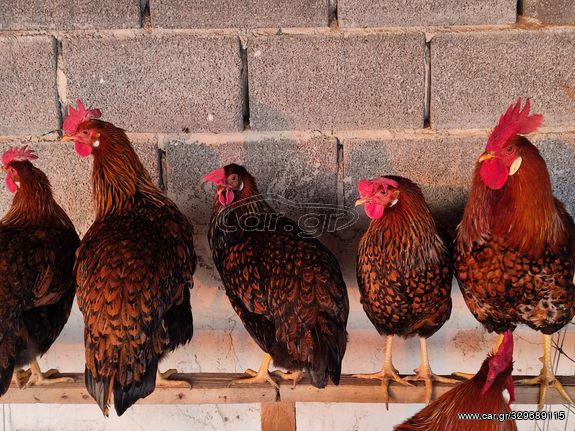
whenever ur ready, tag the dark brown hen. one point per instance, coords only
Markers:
(286, 288)
(515, 253)
(403, 270)
(134, 269)
(37, 246)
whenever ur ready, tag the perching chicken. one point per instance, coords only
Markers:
(286, 288)
(403, 271)
(483, 394)
(134, 269)
(37, 246)
(515, 246)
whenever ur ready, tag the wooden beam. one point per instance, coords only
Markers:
(217, 388)
(278, 416)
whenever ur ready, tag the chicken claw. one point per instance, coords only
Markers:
(294, 376)
(163, 380)
(38, 378)
(261, 376)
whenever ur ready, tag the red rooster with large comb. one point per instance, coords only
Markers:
(134, 269)
(515, 248)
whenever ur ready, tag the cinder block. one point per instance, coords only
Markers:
(28, 98)
(475, 76)
(158, 83)
(550, 11)
(70, 176)
(301, 170)
(441, 165)
(233, 14)
(65, 15)
(400, 13)
(336, 81)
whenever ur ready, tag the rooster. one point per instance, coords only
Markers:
(403, 271)
(515, 248)
(483, 394)
(286, 288)
(37, 246)
(134, 269)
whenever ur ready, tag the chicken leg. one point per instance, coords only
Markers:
(387, 373)
(38, 378)
(261, 376)
(20, 377)
(547, 377)
(424, 374)
(163, 380)
(294, 376)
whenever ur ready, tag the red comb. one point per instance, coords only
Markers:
(77, 116)
(217, 176)
(514, 121)
(14, 154)
(369, 187)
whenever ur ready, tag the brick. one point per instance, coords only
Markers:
(475, 76)
(65, 15)
(400, 13)
(301, 169)
(28, 100)
(233, 14)
(336, 81)
(70, 176)
(158, 83)
(441, 165)
(550, 11)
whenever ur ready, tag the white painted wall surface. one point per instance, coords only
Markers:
(221, 344)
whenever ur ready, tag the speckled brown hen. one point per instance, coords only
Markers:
(286, 287)
(515, 246)
(403, 271)
(134, 269)
(37, 246)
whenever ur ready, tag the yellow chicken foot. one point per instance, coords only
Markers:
(261, 376)
(387, 373)
(163, 380)
(547, 377)
(20, 377)
(468, 376)
(38, 378)
(294, 376)
(424, 374)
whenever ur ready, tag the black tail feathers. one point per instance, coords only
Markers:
(124, 397)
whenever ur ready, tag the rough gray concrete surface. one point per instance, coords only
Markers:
(550, 11)
(475, 76)
(158, 83)
(28, 97)
(336, 81)
(70, 175)
(401, 13)
(302, 171)
(64, 15)
(242, 14)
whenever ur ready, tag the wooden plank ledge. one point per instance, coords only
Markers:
(217, 388)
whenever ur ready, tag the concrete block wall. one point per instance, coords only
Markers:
(310, 95)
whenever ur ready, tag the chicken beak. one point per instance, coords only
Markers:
(486, 156)
(360, 201)
(66, 138)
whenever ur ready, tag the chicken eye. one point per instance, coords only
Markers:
(85, 132)
(509, 148)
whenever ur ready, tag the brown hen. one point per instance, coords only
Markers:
(134, 269)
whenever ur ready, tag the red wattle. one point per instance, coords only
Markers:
(494, 173)
(83, 150)
(10, 184)
(373, 211)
